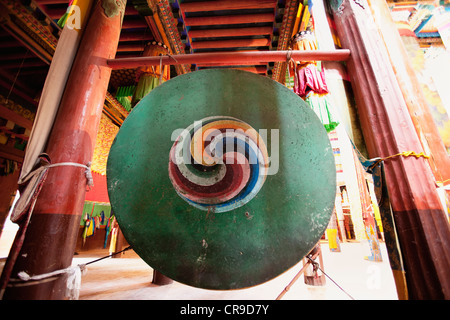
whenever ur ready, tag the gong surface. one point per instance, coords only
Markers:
(172, 224)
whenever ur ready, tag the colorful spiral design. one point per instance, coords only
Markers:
(218, 164)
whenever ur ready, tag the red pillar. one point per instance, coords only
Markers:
(412, 92)
(51, 236)
(422, 227)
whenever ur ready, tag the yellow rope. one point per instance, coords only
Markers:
(407, 154)
(404, 153)
(411, 154)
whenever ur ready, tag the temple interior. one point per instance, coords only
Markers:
(337, 187)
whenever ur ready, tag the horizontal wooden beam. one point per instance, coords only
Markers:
(135, 36)
(28, 63)
(226, 5)
(55, 13)
(11, 153)
(229, 19)
(230, 57)
(230, 43)
(19, 92)
(130, 47)
(230, 32)
(134, 24)
(15, 117)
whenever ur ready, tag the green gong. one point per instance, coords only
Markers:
(222, 179)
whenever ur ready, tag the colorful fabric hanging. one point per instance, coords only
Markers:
(147, 82)
(109, 223)
(100, 212)
(89, 229)
(304, 40)
(124, 95)
(62, 21)
(149, 77)
(308, 78)
(321, 105)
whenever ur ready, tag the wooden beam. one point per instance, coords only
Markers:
(134, 24)
(28, 63)
(231, 32)
(29, 42)
(135, 36)
(14, 117)
(20, 93)
(230, 43)
(230, 57)
(226, 5)
(130, 47)
(61, 199)
(55, 13)
(412, 91)
(11, 153)
(229, 19)
(421, 225)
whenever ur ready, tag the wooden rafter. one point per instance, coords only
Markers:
(279, 69)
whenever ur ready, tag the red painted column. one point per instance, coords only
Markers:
(412, 92)
(51, 236)
(422, 227)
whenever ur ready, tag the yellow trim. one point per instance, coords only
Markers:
(297, 19)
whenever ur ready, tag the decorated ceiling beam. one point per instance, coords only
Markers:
(114, 110)
(229, 19)
(226, 5)
(290, 11)
(230, 32)
(163, 25)
(40, 36)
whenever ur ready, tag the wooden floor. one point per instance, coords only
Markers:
(129, 278)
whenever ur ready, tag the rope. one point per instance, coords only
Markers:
(87, 172)
(160, 70)
(288, 61)
(297, 276)
(404, 153)
(17, 75)
(316, 266)
(73, 281)
(23, 209)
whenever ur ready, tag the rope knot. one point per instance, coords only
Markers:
(88, 173)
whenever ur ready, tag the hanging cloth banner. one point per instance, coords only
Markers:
(149, 77)
(62, 21)
(309, 79)
(321, 105)
(55, 85)
(124, 96)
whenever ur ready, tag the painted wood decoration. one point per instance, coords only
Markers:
(222, 179)
(229, 166)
